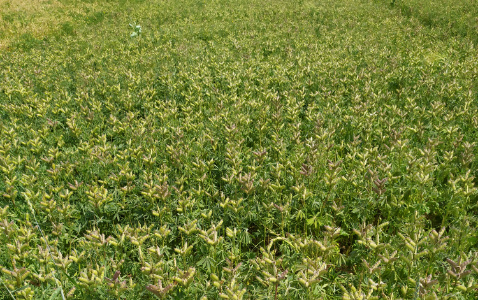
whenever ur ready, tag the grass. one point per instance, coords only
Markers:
(238, 150)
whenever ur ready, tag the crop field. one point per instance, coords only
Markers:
(246, 149)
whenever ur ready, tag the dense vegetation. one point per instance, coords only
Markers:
(244, 149)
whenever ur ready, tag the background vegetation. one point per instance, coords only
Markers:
(238, 149)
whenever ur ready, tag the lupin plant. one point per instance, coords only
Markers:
(238, 150)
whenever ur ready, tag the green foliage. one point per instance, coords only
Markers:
(67, 29)
(27, 42)
(453, 17)
(238, 150)
(95, 18)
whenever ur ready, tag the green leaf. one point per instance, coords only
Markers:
(311, 221)
(300, 215)
(55, 293)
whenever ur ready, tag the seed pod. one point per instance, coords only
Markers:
(461, 288)
(410, 247)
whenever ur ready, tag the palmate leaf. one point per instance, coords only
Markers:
(300, 215)
(54, 295)
(315, 220)
(245, 237)
(207, 262)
